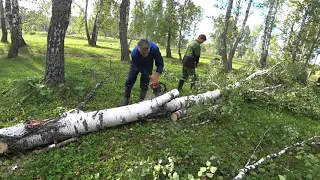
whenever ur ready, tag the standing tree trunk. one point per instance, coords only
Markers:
(180, 37)
(313, 46)
(239, 38)
(86, 23)
(226, 66)
(263, 57)
(61, 10)
(4, 37)
(13, 51)
(181, 25)
(123, 29)
(168, 49)
(303, 23)
(96, 26)
(21, 40)
(235, 27)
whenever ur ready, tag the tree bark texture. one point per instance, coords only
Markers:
(74, 123)
(235, 27)
(263, 56)
(55, 73)
(303, 23)
(95, 29)
(13, 51)
(22, 42)
(226, 66)
(123, 29)
(8, 13)
(240, 36)
(86, 23)
(168, 49)
(4, 37)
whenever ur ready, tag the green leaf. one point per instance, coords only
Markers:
(208, 163)
(213, 169)
(210, 175)
(190, 177)
(156, 168)
(282, 177)
(175, 176)
(203, 169)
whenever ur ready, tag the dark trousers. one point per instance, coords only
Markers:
(132, 77)
(186, 72)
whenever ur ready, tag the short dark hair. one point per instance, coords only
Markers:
(202, 36)
(143, 44)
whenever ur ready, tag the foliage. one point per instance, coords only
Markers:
(147, 150)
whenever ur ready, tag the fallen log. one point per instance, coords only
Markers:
(75, 123)
(187, 101)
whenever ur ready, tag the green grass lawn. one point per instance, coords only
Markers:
(133, 151)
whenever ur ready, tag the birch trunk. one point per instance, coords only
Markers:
(123, 29)
(263, 56)
(85, 18)
(239, 38)
(4, 37)
(168, 49)
(75, 123)
(226, 66)
(302, 25)
(61, 10)
(95, 29)
(22, 42)
(13, 51)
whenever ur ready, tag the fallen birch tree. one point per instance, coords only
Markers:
(74, 123)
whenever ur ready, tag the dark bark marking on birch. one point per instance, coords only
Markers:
(76, 130)
(101, 119)
(94, 115)
(85, 124)
(123, 120)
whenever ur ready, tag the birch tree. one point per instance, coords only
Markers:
(14, 29)
(55, 72)
(4, 37)
(187, 11)
(227, 57)
(123, 29)
(301, 30)
(92, 41)
(170, 15)
(268, 27)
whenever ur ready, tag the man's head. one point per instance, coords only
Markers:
(144, 47)
(202, 38)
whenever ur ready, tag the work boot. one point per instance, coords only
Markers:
(126, 99)
(143, 93)
(181, 82)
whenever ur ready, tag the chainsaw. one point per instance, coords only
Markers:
(158, 88)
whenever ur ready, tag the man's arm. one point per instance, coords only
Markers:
(196, 54)
(159, 64)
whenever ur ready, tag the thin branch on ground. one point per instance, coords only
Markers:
(57, 145)
(247, 168)
(254, 151)
(90, 94)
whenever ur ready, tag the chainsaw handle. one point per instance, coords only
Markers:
(164, 86)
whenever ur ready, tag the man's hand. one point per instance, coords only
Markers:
(155, 78)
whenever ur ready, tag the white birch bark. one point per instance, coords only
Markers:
(74, 123)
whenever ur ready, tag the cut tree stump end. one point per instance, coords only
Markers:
(3, 147)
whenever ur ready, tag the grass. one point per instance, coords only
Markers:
(132, 151)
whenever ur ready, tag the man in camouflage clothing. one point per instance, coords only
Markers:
(190, 61)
